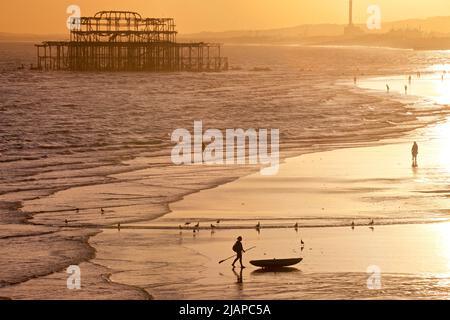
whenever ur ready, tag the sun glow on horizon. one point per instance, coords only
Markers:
(49, 16)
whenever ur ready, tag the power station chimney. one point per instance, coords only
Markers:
(350, 13)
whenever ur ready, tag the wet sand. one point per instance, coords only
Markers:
(323, 192)
(413, 259)
(132, 185)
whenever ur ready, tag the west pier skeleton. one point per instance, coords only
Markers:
(124, 41)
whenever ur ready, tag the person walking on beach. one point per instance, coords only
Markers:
(414, 152)
(388, 88)
(239, 249)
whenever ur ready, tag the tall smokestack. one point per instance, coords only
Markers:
(350, 13)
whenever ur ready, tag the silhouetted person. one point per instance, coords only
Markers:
(409, 79)
(406, 89)
(388, 88)
(239, 249)
(414, 152)
(355, 80)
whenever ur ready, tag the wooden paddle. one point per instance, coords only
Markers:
(222, 261)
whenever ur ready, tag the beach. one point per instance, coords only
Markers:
(345, 158)
(323, 193)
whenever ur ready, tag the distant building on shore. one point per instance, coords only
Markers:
(351, 29)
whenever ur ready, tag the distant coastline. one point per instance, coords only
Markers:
(418, 34)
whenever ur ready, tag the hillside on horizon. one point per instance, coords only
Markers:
(433, 26)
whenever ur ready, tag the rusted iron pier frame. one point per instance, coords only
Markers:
(132, 56)
(124, 41)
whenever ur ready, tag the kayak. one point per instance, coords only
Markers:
(276, 263)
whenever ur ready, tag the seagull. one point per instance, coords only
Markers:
(197, 225)
(218, 221)
(187, 223)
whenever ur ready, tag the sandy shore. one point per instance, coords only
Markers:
(322, 192)
(413, 260)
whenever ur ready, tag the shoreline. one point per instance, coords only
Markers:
(336, 257)
(383, 143)
(313, 149)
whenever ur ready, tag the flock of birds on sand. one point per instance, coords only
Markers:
(196, 228)
(77, 210)
(213, 227)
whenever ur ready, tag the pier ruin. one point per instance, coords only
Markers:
(124, 41)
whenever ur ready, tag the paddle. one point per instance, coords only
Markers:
(222, 261)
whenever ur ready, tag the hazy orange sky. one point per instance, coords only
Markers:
(49, 16)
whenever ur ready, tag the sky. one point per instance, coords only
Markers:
(49, 16)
